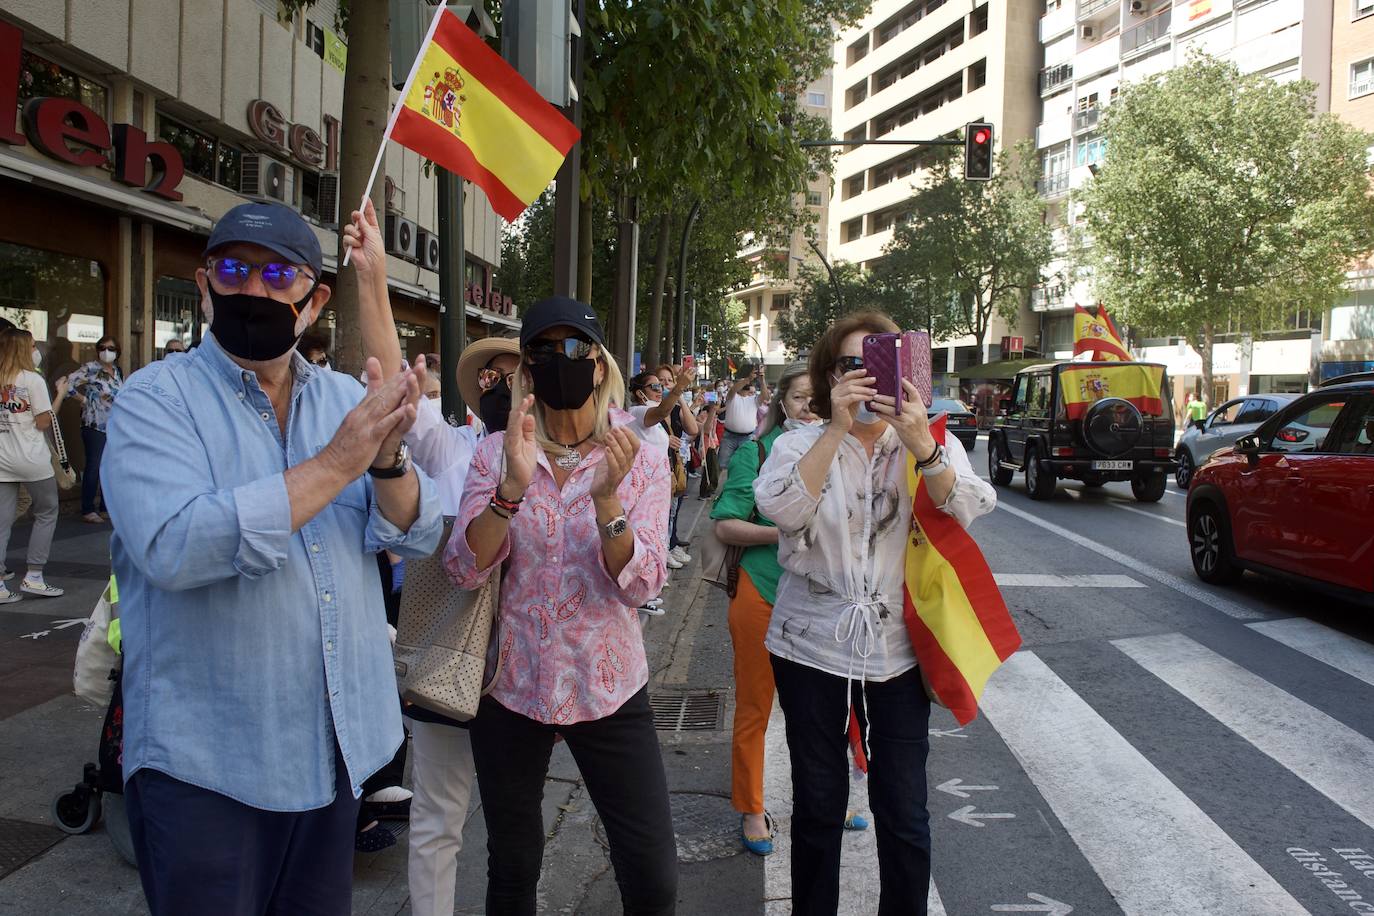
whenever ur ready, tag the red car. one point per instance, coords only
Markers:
(1294, 499)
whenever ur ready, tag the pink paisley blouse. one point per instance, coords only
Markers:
(570, 642)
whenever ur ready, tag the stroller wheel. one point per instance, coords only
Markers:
(77, 811)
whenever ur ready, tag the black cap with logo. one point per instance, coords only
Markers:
(559, 311)
(274, 227)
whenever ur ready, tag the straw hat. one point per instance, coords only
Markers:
(474, 359)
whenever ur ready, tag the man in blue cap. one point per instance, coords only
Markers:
(250, 491)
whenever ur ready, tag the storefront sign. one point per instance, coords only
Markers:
(70, 132)
(491, 300)
(270, 126)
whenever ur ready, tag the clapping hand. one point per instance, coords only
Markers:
(621, 447)
(372, 431)
(522, 451)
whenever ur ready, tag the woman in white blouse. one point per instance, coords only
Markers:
(839, 496)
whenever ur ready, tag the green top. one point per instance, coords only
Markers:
(736, 500)
(1197, 409)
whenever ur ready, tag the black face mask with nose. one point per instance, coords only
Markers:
(494, 407)
(562, 383)
(255, 328)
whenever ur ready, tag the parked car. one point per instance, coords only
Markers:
(1094, 422)
(963, 422)
(1222, 427)
(1294, 499)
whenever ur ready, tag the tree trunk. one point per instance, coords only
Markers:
(653, 335)
(584, 251)
(366, 106)
(1209, 333)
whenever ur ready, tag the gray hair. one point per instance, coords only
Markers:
(776, 415)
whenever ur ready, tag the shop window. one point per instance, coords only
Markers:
(57, 298)
(176, 313)
(416, 339)
(202, 154)
(41, 78)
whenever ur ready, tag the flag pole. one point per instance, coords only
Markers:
(396, 113)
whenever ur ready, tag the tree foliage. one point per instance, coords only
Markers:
(1224, 199)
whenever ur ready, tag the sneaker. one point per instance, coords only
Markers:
(654, 602)
(652, 610)
(7, 596)
(31, 586)
(683, 556)
(674, 562)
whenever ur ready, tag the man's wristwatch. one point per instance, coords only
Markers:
(616, 526)
(397, 469)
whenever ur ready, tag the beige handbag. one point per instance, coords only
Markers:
(61, 465)
(442, 636)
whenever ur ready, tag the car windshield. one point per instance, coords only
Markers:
(1145, 386)
(950, 405)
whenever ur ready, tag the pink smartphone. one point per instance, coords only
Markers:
(890, 357)
(688, 362)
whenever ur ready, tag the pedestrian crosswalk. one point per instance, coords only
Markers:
(1226, 770)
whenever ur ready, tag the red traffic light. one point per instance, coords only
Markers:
(981, 136)
(978, 151)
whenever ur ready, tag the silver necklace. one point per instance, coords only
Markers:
(571, 457)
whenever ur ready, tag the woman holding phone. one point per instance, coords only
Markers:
(838, 494)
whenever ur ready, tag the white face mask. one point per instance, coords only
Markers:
(865, 415)
(790, 424)
(37, 358)
(107, 357)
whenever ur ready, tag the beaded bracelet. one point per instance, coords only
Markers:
(510, 505)
(499, 511)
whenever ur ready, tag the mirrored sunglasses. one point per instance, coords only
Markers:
(574, 347)
(232, 273)
(849, 363)
(488, 379)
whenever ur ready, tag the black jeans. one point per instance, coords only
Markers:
(620, 761)
(814, 704)
(710, 474)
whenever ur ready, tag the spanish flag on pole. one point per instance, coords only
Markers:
(959, 625)
(472, 113)
(1097, 335)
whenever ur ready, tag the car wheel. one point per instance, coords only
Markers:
(1039, 482)
(999, 475)
(1184, 475)
(1149, 489)
(1209, 536)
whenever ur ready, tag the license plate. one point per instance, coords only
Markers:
(1113, 465)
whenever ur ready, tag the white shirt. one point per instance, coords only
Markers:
(839, 601)
(443, 452)
(24, 452)
(654, 435)
(742, 414)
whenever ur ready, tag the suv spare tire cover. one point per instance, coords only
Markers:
(1112, 427)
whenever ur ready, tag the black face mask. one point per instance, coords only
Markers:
(494, 407)
(563, 383)
(255, 328)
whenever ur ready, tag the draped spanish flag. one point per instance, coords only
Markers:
(1097, 335)
(472, 113)
(959, 625)
(1085, 384)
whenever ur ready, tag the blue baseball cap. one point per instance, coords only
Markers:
(274, 227)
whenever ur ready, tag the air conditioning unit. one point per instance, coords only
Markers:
(1088, 32)
(328, 201)
(1139, 7)
(427, 244)
(401, 236)
(263, 176)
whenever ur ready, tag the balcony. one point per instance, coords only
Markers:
(1045, 298)
(1084, 121)
(1052, 78)
(1056, 23)
(1143, 37)
(1092, 9)
(1052, 186)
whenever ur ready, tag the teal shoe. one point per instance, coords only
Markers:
(853, 821)
(759, 845)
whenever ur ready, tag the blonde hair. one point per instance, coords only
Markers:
(610, 393)
(16, 354)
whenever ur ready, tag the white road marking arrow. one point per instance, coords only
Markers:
(947, 733)
(966, 815)
(957, 788)
(36, 636)
(1043, 904)
(71, 622)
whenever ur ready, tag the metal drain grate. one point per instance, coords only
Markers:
(20, 841)
(686, 710)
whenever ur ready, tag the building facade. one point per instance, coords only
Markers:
(1092, 48)
(773, 266)
(922, 69)
(137, 123)
(1347, 336)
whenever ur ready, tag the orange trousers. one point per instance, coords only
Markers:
(749, 616)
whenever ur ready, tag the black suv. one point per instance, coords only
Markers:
(1092, 422)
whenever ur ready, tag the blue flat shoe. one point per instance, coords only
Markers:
(759, 846)
(854, 821)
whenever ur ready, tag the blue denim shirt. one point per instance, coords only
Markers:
(248, 650)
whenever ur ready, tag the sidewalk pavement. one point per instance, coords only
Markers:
(47, 734)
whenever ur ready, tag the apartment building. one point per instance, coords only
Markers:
(922, 69)
(1091, 49)
(1348, 330)
(774, 266)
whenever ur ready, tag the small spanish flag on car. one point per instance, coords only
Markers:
(469, 111)
(1096, 334)
(958, 623)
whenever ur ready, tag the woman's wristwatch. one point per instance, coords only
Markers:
(616, 527)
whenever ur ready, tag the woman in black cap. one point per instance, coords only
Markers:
(567, 500)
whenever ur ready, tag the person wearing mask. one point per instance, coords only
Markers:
(95, 385)
(710, 446)
(315, 350)
(741, 413)
(838, 641)
(250, 492)
(434, 373)
(682, 428)
(173, 345)
(25, 415)
(573, 505)
(646, 397)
